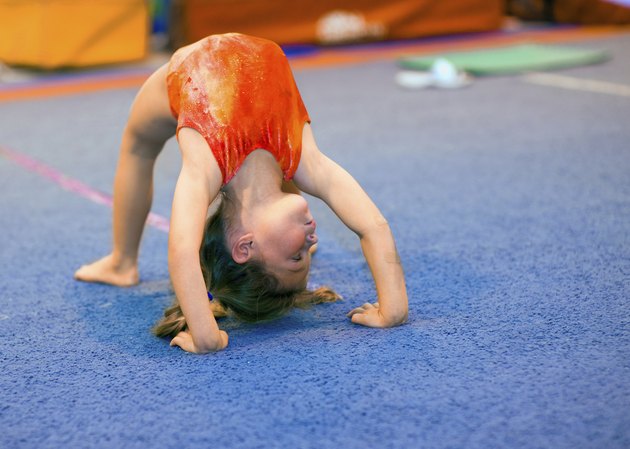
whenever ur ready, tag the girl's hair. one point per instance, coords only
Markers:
(247, 290)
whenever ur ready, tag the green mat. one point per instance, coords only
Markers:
(509, 60)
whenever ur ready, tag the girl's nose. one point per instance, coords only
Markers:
(311, 239)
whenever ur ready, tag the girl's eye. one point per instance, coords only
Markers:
(297, 257)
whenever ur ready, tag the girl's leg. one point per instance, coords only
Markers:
(149, 126)
(133, 194)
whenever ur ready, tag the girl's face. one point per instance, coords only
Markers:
(283, 236)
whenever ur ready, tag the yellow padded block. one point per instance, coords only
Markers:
(72, 33)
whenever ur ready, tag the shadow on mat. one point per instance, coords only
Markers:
(123, 317)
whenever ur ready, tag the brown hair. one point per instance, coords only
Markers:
(247, 290)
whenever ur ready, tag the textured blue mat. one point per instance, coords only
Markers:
(511, 207)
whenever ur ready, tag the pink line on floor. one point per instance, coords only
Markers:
(74, 185)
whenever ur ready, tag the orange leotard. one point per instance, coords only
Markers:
(238, 92)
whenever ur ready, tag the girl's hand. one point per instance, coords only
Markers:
(184, 340)
(370, 315)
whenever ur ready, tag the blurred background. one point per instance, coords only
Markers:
(62, 34)
(510, 201)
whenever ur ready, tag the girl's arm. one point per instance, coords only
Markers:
(198, 184)
(321, 177)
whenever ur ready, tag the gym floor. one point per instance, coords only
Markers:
(510, 203)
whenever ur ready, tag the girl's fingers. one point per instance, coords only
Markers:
(184, 341)
(175, 340)
(224, 339)
(359, 318)
(370, 318)
(355, 311)
(364, 308)
(181, 340)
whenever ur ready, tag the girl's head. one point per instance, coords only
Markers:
(259, 274)
(278, 236)
(243, 284)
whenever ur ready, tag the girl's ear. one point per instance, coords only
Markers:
(242, 250)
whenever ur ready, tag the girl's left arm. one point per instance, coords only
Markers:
(321, 177)
(198, 184)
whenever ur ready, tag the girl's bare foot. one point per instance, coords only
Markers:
(105, 271)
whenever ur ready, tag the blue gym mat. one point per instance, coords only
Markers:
(510, 203)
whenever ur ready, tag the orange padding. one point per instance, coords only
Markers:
(332, 21)
(591, 12)
(72, 33)
(324, 58)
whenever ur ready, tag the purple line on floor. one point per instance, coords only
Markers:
(74, 185)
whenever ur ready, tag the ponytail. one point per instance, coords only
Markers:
(173, 322)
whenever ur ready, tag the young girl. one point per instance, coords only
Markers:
(246, 144)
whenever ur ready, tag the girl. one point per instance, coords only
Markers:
(246, 144)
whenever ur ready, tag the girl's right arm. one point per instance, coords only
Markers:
(198, 184)
(323, 178)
